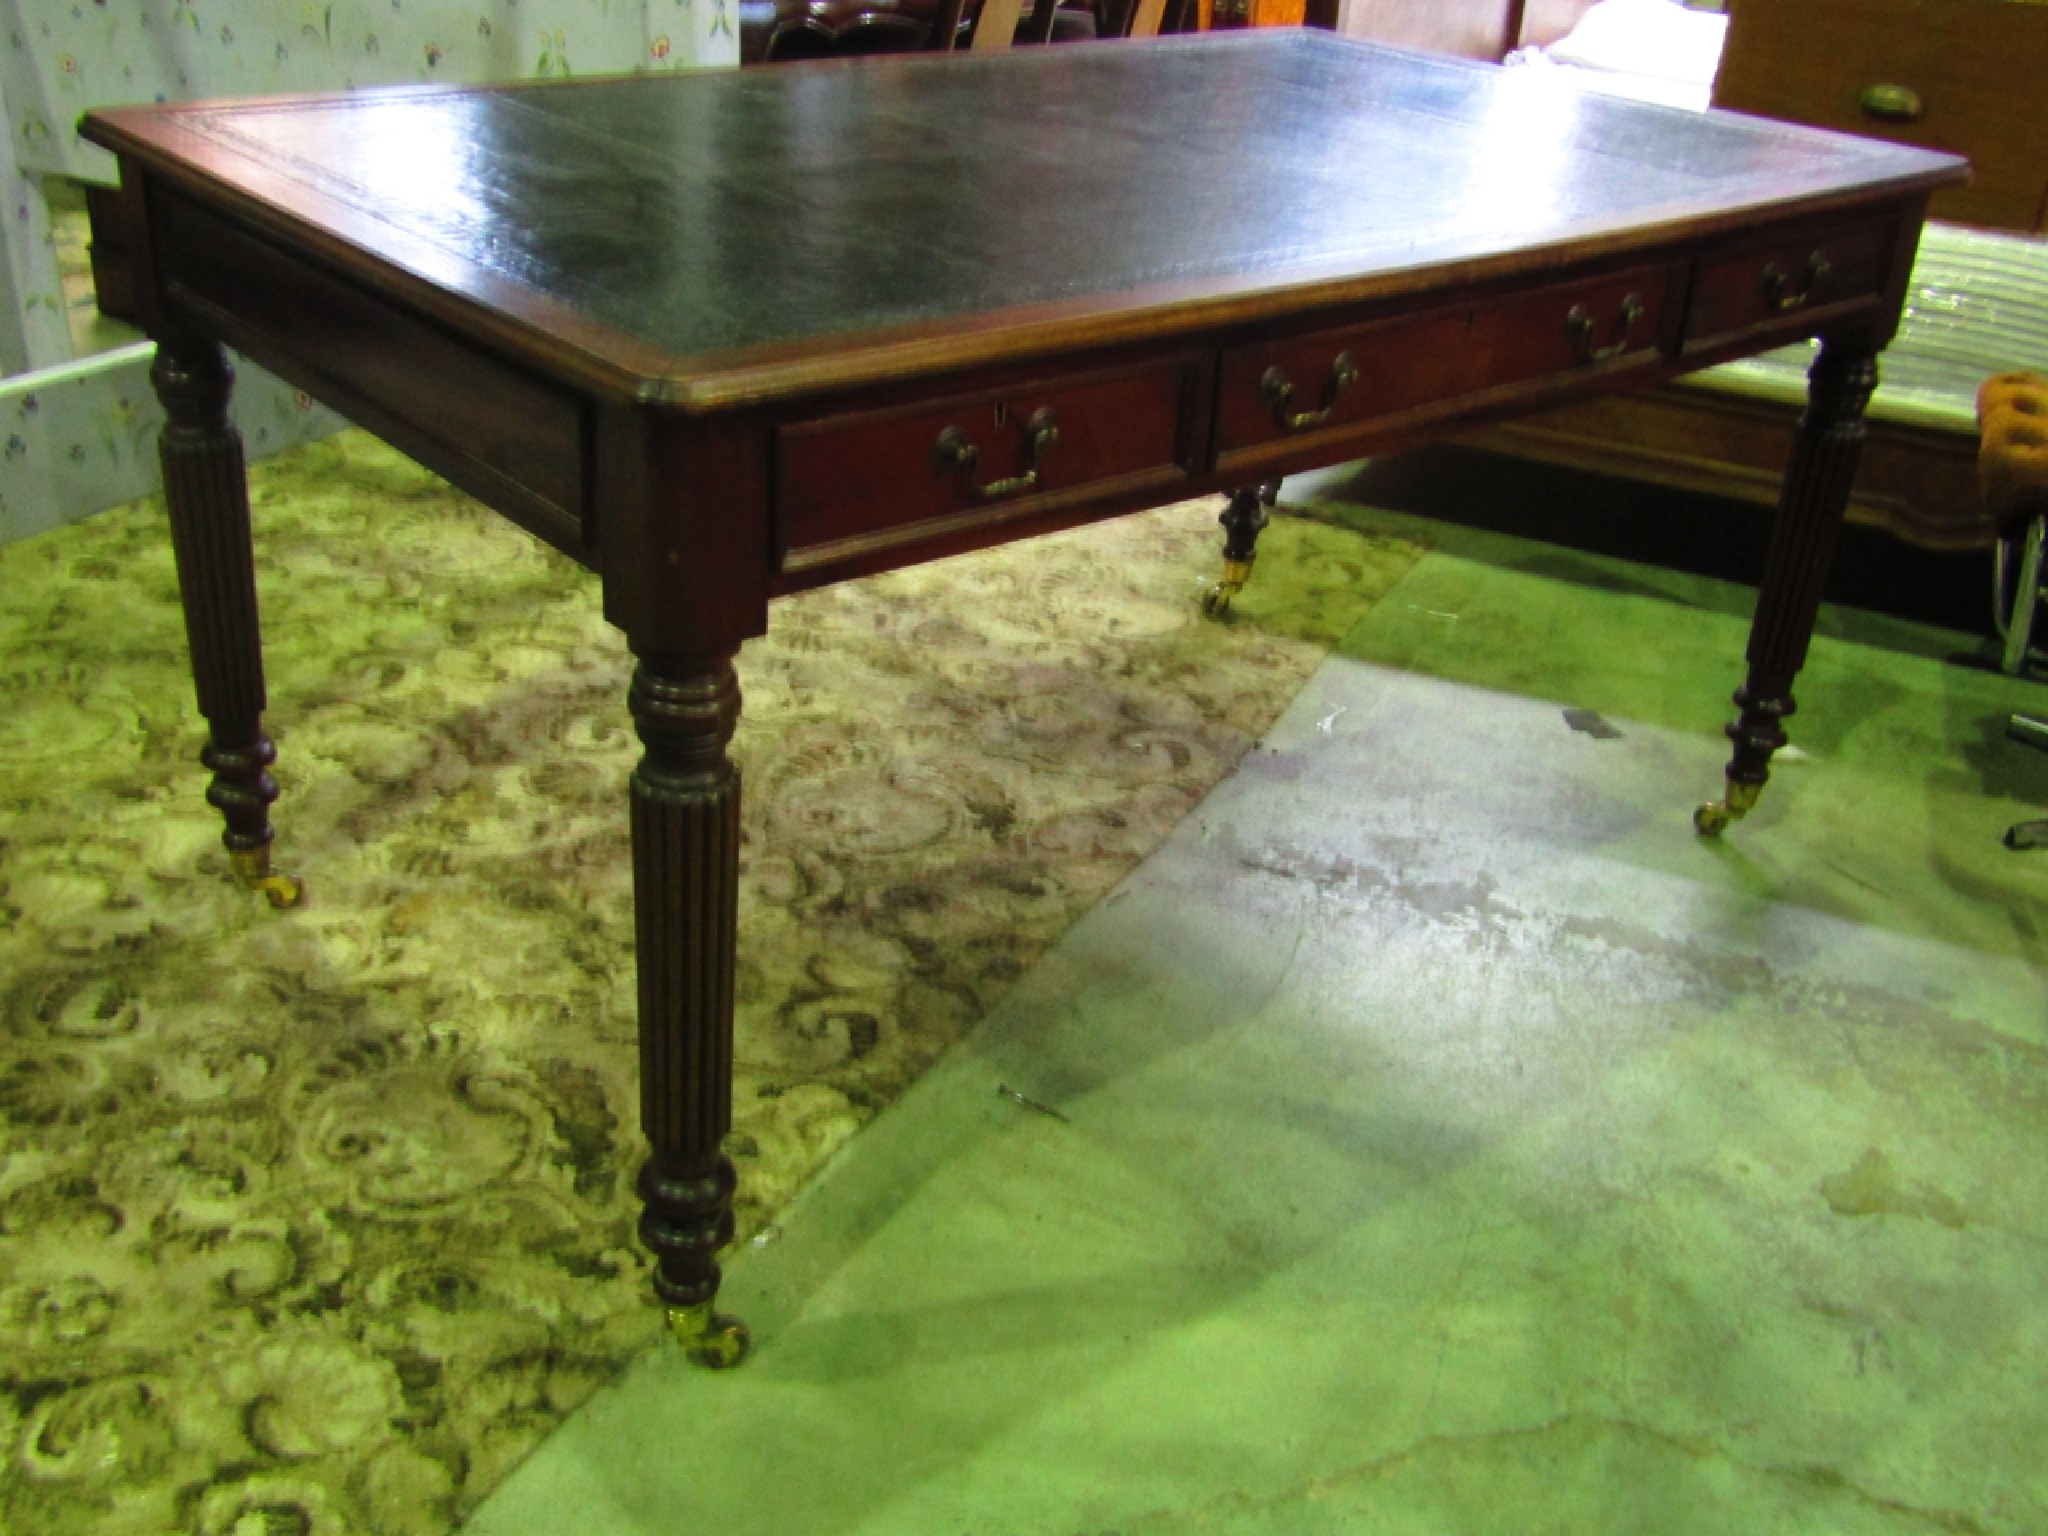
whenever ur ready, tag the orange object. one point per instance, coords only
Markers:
(2012, 458)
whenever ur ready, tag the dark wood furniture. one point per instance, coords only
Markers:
(1224, 15)
(1915, 481)
(701, 335)
(1958, 75)
(787, 31)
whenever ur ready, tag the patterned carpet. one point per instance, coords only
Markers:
(318, 1222)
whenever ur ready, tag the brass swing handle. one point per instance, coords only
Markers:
(954, 454)
(1277, 390)
(1778, 290)
(1580, 326)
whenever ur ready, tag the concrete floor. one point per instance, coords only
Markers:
(1453, 1142)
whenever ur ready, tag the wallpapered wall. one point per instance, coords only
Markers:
(76, 435)
(81, 437)
(64, 56)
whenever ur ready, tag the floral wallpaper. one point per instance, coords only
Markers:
(76, 437)
(80, 438)
(32, 309)
(64, 56)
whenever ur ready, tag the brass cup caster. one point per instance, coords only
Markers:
(709, 1338)
(252, 868)
(1713, 818)
(1216, 601)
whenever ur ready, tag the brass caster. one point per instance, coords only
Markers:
(1713, 818)
(252, 868)
(1216, 601)
(709, 1338)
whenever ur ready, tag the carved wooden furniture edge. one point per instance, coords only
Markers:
(155, 144)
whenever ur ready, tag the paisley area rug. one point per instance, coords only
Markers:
(317, 1222)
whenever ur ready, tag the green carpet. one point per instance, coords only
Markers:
(318, 1222)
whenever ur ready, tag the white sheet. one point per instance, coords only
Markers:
(1653, 50)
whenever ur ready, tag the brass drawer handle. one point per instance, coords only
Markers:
(1891, 103)
(954, 454)
(1580, 327)
(1277, 390)
(1778, 290)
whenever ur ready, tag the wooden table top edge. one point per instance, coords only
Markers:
(619, 367)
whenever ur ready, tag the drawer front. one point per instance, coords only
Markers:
(1379, 372)
(1782, 283)
(1959, 75)
(958, 458)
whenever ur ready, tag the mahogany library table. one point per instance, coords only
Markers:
(725, 335)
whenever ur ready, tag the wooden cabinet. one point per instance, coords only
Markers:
(1961, 75)
(1968, 74)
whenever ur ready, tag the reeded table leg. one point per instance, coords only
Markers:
(1243, 520)
(686, 851)
(1803, 537)
(206, 489)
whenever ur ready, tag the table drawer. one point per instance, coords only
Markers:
(955, 458)
(1784, 281)
(1959, 75)
(1304, 386)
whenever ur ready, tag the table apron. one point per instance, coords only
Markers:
(488, 422)
(866, 479)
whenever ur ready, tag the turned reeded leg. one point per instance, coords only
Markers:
(686, 842)
(1803, 537)
(1242, 521)
(207, 492)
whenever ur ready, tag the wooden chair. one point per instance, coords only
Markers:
(785, 31)
(996, 25)
(2012, 467)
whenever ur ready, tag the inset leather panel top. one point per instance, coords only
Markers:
(1053, 189)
